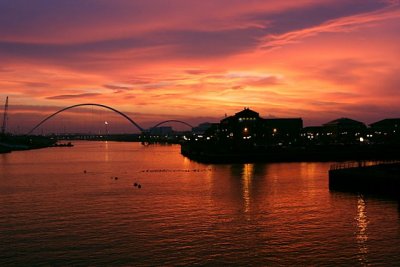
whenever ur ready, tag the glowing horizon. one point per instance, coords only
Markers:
(196, 61)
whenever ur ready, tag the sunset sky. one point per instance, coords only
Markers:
(199, 60)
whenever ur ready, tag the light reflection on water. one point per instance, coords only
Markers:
(362, 235)
(52, 213)
(247, 176)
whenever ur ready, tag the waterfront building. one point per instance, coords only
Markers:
(387, 125)
(246, 137)
(345, 130)
(244, 125)
(315, 135)
(386, 130)
(202, 128)
(283, 130)
(247, 126)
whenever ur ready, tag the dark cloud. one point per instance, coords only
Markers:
(156, 85)
(341, 95)
(32, 109)
(195, 44)
(168, 96)
(117, 87)
(44, 18)
(192, 44)
(313, 15)
(138, 81)
(326, 104)
(58, 97)
(196, 72)
(35, 84)
(129, 97)
(237, 87)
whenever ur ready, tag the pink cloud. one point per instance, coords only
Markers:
(191, 59)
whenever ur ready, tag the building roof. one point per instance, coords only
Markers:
(246, 113)
(344, 122)
(394, 122)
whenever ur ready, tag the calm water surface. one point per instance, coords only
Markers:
(54, 213)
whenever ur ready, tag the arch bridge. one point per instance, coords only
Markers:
(168, 121)
(142, 130)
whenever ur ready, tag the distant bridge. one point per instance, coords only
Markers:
(178, 121)
(109, 108)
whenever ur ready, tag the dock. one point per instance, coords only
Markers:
(369, 177)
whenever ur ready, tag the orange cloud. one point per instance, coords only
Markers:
(188, 59)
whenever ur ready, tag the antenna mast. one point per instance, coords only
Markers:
(4, 126)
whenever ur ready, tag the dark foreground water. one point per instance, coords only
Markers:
(54, 213)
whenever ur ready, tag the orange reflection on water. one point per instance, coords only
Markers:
(247, 176)
(106, 157)
(361, 234)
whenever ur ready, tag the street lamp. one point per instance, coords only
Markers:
(106, 124)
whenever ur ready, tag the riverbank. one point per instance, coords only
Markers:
(226, 154)
(4, 149)
(10, 143)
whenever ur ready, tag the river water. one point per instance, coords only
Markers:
(79, 206)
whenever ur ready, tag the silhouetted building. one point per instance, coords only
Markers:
(345, 130)
(247, 129)
(315, 135)
(248, 126)
(246, 136)
(387, 125)
(345, 124)
(387, 130)
(283, 130)
(202, 128)
(244, 125)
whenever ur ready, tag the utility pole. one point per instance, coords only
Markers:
(4, 125)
